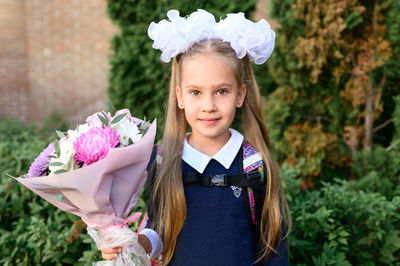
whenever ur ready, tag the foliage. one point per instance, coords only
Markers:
(341, 223)
(32, 231)
(336, 65)
(52, 122)
(337, 225)
(138, 80)
(378, 171)
(396, 120)
(335, 69)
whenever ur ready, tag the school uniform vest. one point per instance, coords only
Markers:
(217, 230)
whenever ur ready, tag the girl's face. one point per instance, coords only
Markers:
(210, 95)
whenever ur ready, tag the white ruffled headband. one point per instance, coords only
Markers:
(175, 36)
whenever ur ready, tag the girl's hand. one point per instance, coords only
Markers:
(112, 253)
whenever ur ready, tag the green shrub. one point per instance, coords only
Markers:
(336, 224)
(378, 171)
(32, 231)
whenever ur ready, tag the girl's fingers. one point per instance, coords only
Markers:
(108, 251)
(109, 256)
(112, 253)
(112, 250)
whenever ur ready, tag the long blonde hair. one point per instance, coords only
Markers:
(168, 198)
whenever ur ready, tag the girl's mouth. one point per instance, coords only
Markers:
(209, 121)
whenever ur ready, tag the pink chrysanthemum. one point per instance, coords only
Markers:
(95, 144)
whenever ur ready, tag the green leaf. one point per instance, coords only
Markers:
(10, 175)
(333, 243)
(57, 148)
(353, 20)
(364, 241)
(332, 236)
(104, 114)
(386, 252)
(118, 118)
(103, 120)
(60, 134)
(56, 164)
(60, 171)
(87, 240)
(130, 142)
(343, 233)
(393, 239)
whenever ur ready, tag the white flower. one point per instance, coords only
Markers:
(66, 157)
(74, 134)
(175, 36)
(128, 130)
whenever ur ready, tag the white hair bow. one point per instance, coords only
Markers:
(175, 36)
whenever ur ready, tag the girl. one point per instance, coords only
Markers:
(199, 197)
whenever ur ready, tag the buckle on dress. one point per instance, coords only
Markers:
(218, 180)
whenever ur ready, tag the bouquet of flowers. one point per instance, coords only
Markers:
(97, 172)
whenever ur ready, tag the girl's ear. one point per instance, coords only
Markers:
(179, 98)
(241, 95)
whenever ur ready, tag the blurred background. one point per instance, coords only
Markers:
(54, 57)
(331, 101)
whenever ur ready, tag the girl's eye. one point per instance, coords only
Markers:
(195, 92)
(222, 92)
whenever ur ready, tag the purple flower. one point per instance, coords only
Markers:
(95, 144)
(38, 167)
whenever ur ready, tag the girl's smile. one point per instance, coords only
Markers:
(209, 96)
(209, 121)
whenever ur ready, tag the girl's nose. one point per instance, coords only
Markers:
(208, 105)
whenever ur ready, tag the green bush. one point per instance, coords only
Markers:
(378, 171)
(32, 231)
(337, 225)
(342, 223)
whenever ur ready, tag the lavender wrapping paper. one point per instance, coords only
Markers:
(103, 193)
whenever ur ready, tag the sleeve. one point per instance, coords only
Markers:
(155, 240)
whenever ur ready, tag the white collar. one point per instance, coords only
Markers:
(224, 156)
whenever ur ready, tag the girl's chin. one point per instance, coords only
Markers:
(210, 134)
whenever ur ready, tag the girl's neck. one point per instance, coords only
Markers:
(208, 146)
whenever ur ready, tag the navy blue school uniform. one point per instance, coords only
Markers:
(217, 230)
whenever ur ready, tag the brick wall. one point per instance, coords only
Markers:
(263, 11)
(13, 79)
(53, 56)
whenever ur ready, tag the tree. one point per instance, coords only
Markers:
(325, 69)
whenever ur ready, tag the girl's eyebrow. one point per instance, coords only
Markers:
(190, 86)
(218, 85)
(223, 84)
